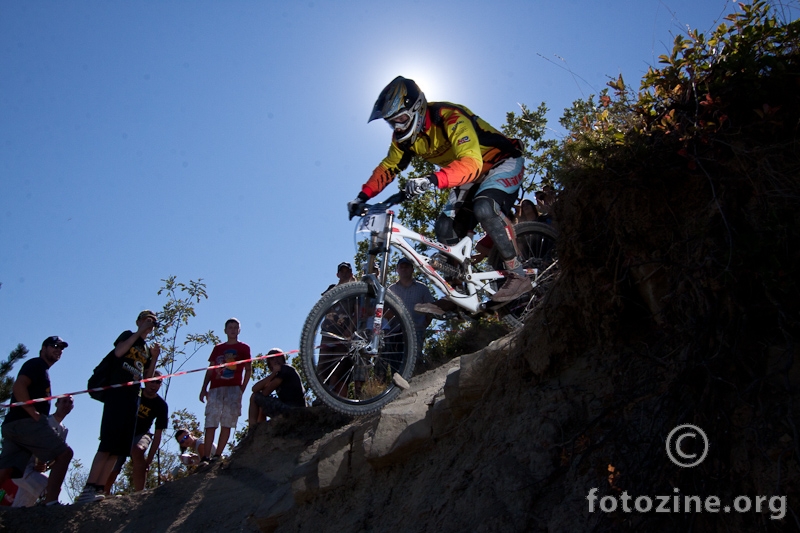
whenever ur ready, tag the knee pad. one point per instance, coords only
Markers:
(443, 227)
(485, 209)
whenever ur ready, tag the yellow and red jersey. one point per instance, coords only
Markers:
(460, 143)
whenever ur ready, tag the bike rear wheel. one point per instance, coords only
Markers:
(536, 244)
(333, 349)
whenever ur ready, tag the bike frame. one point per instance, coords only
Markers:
(386, 233)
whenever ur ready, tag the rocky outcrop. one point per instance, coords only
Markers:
(431, 407)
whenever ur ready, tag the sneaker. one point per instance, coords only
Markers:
(514, 287)
(89, 495)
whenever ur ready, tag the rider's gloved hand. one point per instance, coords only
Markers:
(355, 206)
(417, 186)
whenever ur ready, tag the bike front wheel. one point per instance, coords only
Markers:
(334, 349)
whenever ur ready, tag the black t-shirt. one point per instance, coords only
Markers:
(36, 370)
(131, 365)
(151, 409)
(291, 390)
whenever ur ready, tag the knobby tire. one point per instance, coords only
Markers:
(338, 370)
(536, 242)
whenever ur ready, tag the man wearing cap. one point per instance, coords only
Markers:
(345, 274)
(33, 483)
(412, 292)
(26, 431)
(135, 361)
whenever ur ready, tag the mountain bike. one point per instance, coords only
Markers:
(358, 345)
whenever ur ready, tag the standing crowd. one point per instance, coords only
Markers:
(34, 441)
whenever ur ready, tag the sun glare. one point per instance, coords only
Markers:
(428, 78)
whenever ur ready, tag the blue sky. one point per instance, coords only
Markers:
(222, 140)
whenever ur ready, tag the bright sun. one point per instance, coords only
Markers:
(431, 81)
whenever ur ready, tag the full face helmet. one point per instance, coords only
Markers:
(403, 106)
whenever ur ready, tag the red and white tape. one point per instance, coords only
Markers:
(154, 378)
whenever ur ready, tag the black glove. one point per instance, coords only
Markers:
(355, 207)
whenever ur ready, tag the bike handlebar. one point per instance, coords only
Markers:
(396, 198)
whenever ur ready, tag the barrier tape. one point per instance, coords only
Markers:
(154, 378)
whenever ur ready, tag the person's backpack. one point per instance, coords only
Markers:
(101, 377)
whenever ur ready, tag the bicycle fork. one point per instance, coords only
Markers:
(379, 245)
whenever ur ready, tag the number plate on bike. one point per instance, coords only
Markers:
(373, 223)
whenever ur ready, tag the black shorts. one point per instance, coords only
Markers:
(119, 421)
(272, 406)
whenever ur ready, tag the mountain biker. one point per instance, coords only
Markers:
(482, 168)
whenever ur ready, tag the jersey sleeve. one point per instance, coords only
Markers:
(394, 163)
(468, 161)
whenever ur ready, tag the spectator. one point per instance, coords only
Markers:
(26, 431)
(412, 292)
(345, 274)
(191, 447)
(135, 361)
(285, 382)
(33, 482)
(544, 204)
(526, 212)
(151, 407)
(224, 388)
(333, 353)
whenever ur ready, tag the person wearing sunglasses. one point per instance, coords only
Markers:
(482, 168)
(191, 447)
(26, 431)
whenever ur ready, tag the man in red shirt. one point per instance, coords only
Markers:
(224, 387)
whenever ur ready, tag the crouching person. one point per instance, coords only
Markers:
(285, 382)
(26, 431)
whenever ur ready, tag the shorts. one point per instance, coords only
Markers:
(120, 411)
(223, 407)
(27, 437)
(141, 441)
(271, 406)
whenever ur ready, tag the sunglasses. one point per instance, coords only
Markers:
(57, 346)
(183, 438)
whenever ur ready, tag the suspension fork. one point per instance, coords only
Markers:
(378, 282)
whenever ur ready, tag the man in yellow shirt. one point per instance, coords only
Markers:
(482, 168)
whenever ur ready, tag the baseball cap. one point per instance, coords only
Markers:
(55, 340)
(344, 264)
(404, 261)
(147, 314)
